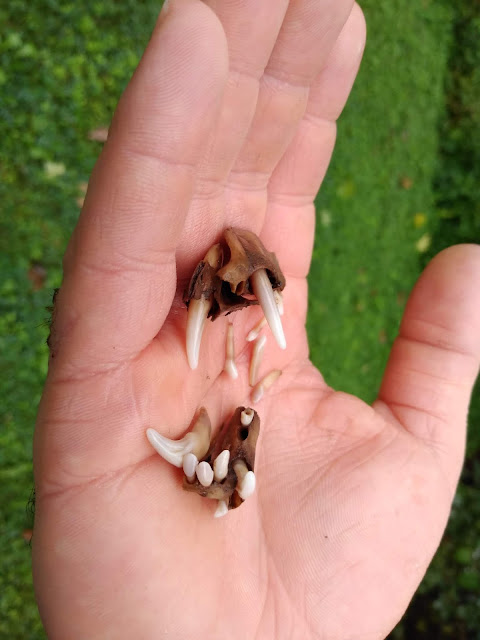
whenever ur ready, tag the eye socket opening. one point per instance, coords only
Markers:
(243, 433)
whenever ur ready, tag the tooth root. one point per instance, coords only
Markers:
(197, 314)
(220, 465)
(246, 417)
(263, 292)
(256, 359)
(189, 463)
(245, 480)
(279, 300)
(204, 474)
(170, 449)
(222, 509)
(201, 433)
(264, 384)
(230, 366)
(253, 333)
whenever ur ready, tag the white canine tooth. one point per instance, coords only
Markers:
(196, 441)
(245, 480)
(263, 292)
(171, 450)
(197, 314)
(190, 462)
(222, 509)
(264, 384)
(220, 465)
(230, 366)
(256, 359)
(204, 474)
(246, 417)
(253, 333)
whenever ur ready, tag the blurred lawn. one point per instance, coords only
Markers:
(402, 185)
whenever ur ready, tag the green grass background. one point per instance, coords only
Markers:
(402, 185)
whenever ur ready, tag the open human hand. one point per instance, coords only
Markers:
(230, 121)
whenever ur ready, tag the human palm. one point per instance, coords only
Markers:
(229, 121)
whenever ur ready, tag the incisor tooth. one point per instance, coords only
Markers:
(263, 292)
(204, 474)
(220, 465)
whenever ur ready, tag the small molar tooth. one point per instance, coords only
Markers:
(245, 480)
(263, 291)
(220, 465)
(171, 450)
(257, 354)
(246, 417)
(222, 509)
(253, 333)
(197, 314)
(230, 366)
(264, 384)
(190, 462)
(204, 474)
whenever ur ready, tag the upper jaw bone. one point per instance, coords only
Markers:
(197, 441)
(263, 291)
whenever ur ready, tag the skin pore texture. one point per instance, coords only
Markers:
(230, 121)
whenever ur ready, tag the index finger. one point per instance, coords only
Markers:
(120, 276)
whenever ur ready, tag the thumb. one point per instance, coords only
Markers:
(435, 359)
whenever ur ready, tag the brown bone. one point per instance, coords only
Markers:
(241, 441)
(229, 282)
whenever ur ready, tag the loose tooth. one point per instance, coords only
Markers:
(264, 294)
(253, 334)
(197, 314)
(190, 462)
(245, 480)
(220, 465)
(256, 359)
(264, 384)
(246, 417)
(222, 509)
(204, 474)
(171, 450)
(230, 366)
